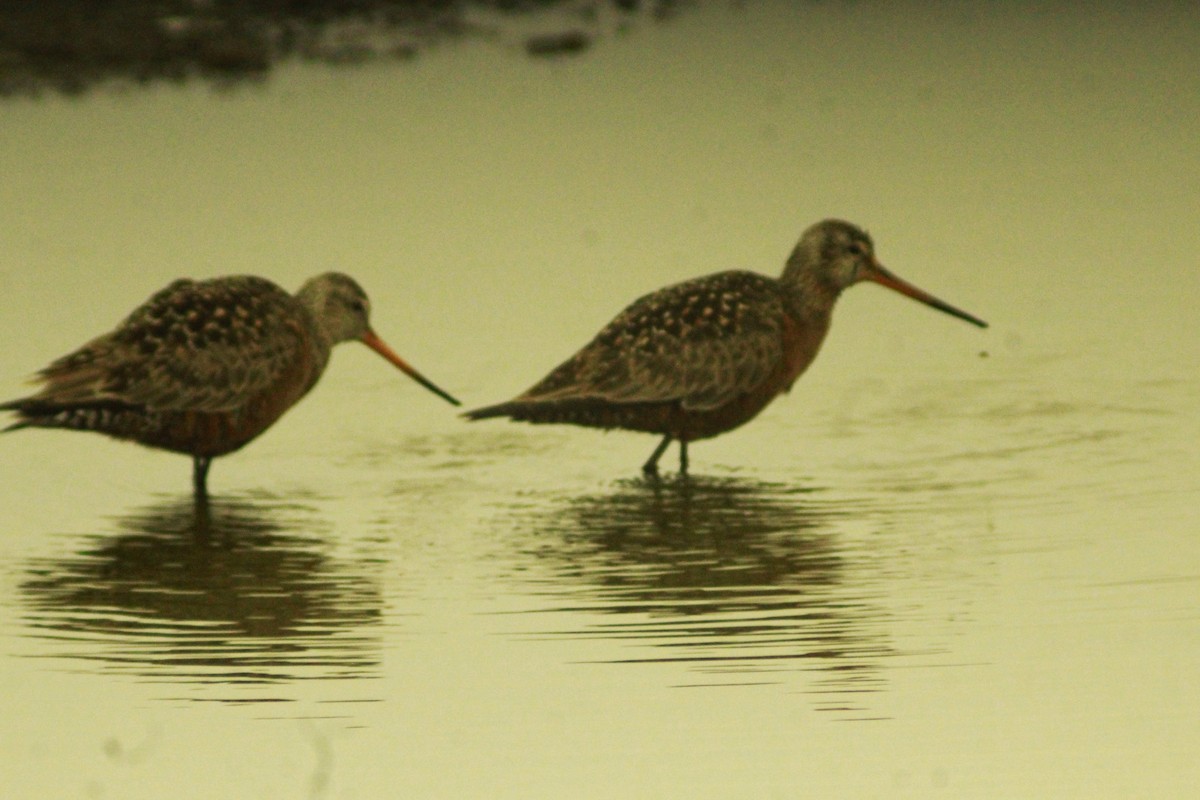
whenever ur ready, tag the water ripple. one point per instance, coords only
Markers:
(239, 594)
(727, 576)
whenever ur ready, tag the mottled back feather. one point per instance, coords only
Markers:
(194, 346)
(701, 343)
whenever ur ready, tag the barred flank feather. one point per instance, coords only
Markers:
(110, 417)
(588, 412)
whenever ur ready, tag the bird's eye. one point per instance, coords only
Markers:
(858, 248)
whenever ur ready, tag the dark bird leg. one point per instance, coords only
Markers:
(650, 468)
(683, 460)
(200, 476)
(201, 517)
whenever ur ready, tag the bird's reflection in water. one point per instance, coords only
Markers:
(741, 580)
(238, 594)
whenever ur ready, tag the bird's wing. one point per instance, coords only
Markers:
(702, 343)
(202, 346)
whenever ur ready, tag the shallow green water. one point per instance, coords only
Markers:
(950, 563)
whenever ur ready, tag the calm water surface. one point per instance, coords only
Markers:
(951, 563)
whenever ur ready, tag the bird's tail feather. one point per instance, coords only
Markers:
(33, 412)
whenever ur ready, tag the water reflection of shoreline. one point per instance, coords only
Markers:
(238, 595)
(738, 579)
(70, 45)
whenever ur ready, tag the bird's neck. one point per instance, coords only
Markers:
(316, 338)
(312, 298)
(807, 296)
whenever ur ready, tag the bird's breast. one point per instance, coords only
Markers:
(801, 341)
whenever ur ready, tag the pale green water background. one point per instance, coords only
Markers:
(952, 563)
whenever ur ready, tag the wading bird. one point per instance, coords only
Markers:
(203, 367)
(702, 357)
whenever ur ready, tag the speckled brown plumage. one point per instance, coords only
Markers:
(203, 367)
(705, 356)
